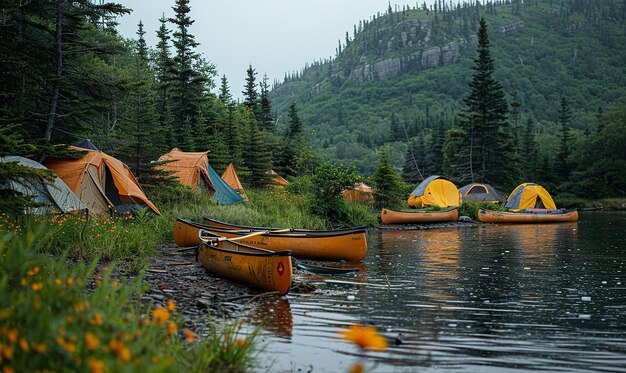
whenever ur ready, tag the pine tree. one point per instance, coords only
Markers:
(224, 94)
(189, 82)
(561, 167)
(265, 107)
(529, 150)
(250, 95)
(387, 184)
(486, 151)
(410, 170)
(257, 156)
(164, 79)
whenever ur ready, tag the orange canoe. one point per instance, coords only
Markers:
(259, 268)
(220, 224)
(418, 217)
(349, 245)
(534, 217)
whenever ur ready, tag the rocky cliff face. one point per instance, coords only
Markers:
(418, 34)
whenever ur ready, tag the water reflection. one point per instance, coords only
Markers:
(274, 316)
(488, 297)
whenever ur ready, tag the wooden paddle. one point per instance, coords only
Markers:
(241, 237)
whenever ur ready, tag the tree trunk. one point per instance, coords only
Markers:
(58, 55)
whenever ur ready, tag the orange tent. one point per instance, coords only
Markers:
(277, 180)
(100, 181)
(194, 170)
(231, 178)
(360, 192)
(189, 168)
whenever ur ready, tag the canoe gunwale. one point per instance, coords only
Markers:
(292, 233)
(298, 230)
(531, 217)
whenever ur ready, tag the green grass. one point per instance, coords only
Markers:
(48, 321)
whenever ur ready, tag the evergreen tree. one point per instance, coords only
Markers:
(561, 167)
(265, 107)
(434, 158)
(295, 124)
(250, 96)
(410, 170)
(387, 184)
(224, 94)
(486, 152)
(529, 150)
(164, 67)
(189, 85)
(257, 157)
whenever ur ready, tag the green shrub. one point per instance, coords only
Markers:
(471, 208)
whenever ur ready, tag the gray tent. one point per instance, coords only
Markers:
(54, 195)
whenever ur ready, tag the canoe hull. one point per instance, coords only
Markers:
(388, 216)
(488, 216)
(263, 269)
(348, 245)
(223, 225)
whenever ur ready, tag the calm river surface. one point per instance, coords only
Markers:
(486, 298)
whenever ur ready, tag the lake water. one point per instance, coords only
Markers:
(485, 298)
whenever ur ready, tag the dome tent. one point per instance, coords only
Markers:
(52, 195)
(103, 183)
(479, 192)
(529, 196)
(435, 191)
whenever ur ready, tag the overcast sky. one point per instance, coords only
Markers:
(274, 36)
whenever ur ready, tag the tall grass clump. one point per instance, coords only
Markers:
(471, 208)
(55, 317)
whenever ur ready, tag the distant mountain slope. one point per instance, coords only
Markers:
(411, 68)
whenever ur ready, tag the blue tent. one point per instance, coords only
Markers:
(224, 194)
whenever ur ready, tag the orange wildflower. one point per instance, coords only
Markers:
(357, 368)
(24, 344)
(241, 341)
(69, 281)
(365, 337)
(36, 286)
(160, 315)
(96, 319)
(12, 335)
(171, 306)
(95, 366)
(91, 341)
(39, 347)
(7, 369)
(8, 351)
(33, 271)
(190, 336)
(171, 327)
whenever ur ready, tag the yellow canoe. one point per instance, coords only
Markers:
(388, 216)
(259, 268)
(349, 245)
(534, 217)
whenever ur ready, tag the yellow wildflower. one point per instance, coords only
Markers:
(122, 351)
(171, 306)
(69, 281)
(160, 315)
(58, 282)
(36, 286)
(365, 337)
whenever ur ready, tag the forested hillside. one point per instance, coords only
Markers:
(400, 77)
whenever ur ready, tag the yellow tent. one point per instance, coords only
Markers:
(231, 178)
(435, 191)
(529, 196)
(100, 181)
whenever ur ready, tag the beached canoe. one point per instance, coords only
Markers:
(535, 216)
(259, 268)
(388, 216)
(349, 245)
(220, 224)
